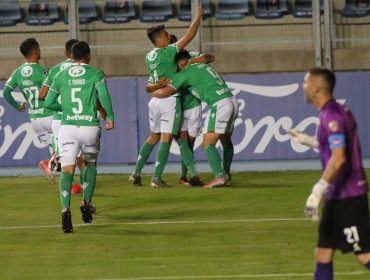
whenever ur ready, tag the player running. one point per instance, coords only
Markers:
(345, 216)
(28, 78)
(164, 114)
(79, 86)
(208, 86)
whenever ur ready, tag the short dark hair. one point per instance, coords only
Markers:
(27, 46)
(153, 32)
(326, 74)
(80, 50)
(69, 44)
(183, 54)
(173, 39)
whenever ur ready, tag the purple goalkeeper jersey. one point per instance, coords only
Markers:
(338, 128)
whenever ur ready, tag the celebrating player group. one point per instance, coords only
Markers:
(67, 104)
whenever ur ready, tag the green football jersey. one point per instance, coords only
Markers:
(50, 78)
(189, 101)
(78, 87)
(28, 78)
(160, 63)
(206, 84)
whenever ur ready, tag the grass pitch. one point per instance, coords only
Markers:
(254, 229)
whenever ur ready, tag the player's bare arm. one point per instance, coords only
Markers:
(203, 58)
(102, 112)
(43, 92)
(192, 31)
(163, 92)
(162, 82)
(109, 125)
(22, 107)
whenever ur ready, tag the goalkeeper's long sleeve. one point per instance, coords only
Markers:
(7, 92)
(105, 100)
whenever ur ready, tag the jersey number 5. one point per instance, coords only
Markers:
(77, 100)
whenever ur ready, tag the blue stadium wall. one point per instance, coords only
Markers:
(268, 103)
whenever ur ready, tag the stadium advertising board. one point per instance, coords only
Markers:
(268, 104)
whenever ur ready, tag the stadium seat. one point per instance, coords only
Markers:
(232, 9)
(42, 12)
(271, 9)
(356, 8)
(185, 9)
(156, 10)
(10, 13)
(303, 8)
(87, 12)
(119, 11)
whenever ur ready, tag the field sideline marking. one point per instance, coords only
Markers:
(235, 276)
(167, 223)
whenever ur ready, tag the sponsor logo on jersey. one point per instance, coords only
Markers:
(26, 71)
(36, 111)
(222, 91)
(68, 143)
(76, 71)
(79, 118)
(152, 55)
(65, 65)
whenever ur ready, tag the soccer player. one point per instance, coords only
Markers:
(209, 87)
(57, 117)
(164, 114)
(79, 86)
(345, 216)
(28, 78)
(191, 111)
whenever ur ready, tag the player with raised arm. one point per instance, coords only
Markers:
(345, 216)
(80, 85)
(28, 78)
(164, 114)
(209, 87)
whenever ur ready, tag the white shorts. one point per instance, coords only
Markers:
(190, 120)
(164, 114)
(42, 128)
(55, 125)
(72, 138)
(222, 116)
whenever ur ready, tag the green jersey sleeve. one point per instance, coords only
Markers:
(179, 80)
(12, 81)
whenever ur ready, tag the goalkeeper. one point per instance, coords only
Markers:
(345, 216)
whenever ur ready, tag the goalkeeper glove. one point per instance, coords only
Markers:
(313, 201)
(303, 138)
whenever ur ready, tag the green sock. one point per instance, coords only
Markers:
(82, 176)
(144, 153)
(184, 170)
(228, 156)
(187, 156)
(89, 178)
(65, 185)
(214, 160)
(161, 159)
